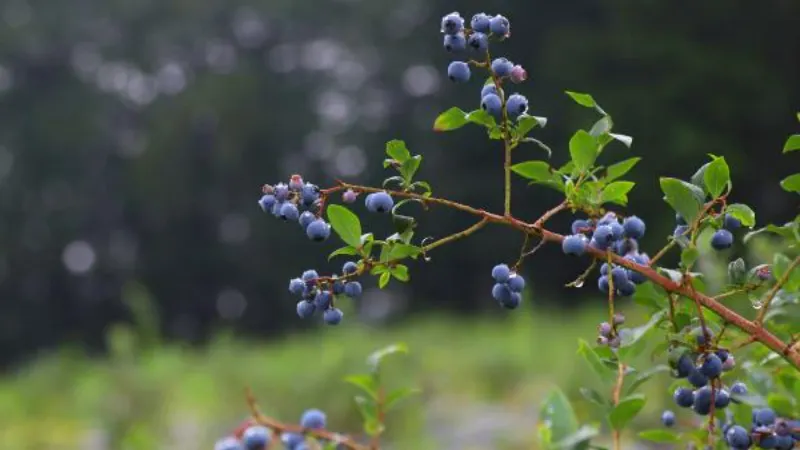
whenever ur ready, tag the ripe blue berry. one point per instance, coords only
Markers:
(634, 227)
(501, 67)
(501, 273)
(228, 443)
(309, 194)
(353, 289)
(276, 209)
(309, 275)
(322, 300)
(480, 22)
(281, 192)
(712, 366)
(513, 302)
(702, 401)
(305, 309)
(349, 267)
(297, 286)
(492, 104)
(318, 230)
(721, 399)
(697, 378)
(314, 419)
(737, 437)
(604, 269)
(683, 397)
(380, 202)
(458, 72)
(574, 245)
(516, 105)
(332, 316)
(499, 26)
(452, 23)
(501, 292)
(625, 289)
(619, 275)
(617, 231)
(721, 239)
(731, 223)
(349, 196)
(603, 235)
(478, 42)
(739, 388)
(685, 366)
(266, 202)
(602, 284)
(489, 89)
(518, 74)
(764, 417)
(455, 42)
(668, 418)
(784, 443)
(256, 438)
(289, 212)
(581, 226)
(306, 218)
(292, 440)
(609, 217)
(516, 283)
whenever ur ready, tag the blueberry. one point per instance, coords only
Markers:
(574, 245)
(281, 192)
(349, 268)
(353, 289)
(782, 428)
(305, 309)
(478, 42)
(731, 223)
(764, 416)
(501, 273)
(276, 208)
(499, 25)
(480, 22)
(604, 329)
(668, 418)
(700, 337)
(489, 89)
(228, 443)
(608, 218)
(768, 441)
(349, 196)
(256, 438)
(266, 202)
(617, 230)
(602, 284)
(683, 397)
(581, 226)
(604, 235)
(739, 388)
(452, 23)
(784, 443)
(297, 286)
(309, 194)
(737, 437)
(314, 419)
(292, 440)
(318, 230)
(516, 105)
(332, 316)
(702, 401)
(295, 183)
(455, 42)
(619, 275)
(492, 104)
(512, 302)
(685, 366)
(501, 292)
(309, 275)
(501, 67)
(338, 287)
(516, 283)
(322, 300)
(619, 319)
(626, 289)
(458, 72)
(729, 364)
(712, 366)
(634, 276)
(518, 74)
(721, 239)
(634, 227)
(721, 399)
(697, 378)
(602, 340)
(604, 269)
(379, 202)
(289, 212)
(306, 218)
(615, 342)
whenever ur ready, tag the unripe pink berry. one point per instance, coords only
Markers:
(296, 183)
(518, 74)
(267, 189)
(349, 196)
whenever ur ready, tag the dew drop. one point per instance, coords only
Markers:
(579, 283)
(756, 302)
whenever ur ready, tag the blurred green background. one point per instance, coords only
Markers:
(142, 288)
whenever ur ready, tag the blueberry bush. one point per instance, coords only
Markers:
(693, 332)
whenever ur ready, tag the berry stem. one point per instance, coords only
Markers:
(456, 236)
(611, 295)
(774, 291)
(615, 394)
(281, 428)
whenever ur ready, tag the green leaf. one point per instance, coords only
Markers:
(689, 256)
(594, 361)
(699, 177)
(409, 168)
(452, 119)
(396, 396)
(601, 127)
(401, 250)
(367, 408)
(743, 213)
(643, 377)
(366, 382)
(384, 279)
(349, 250)
(742, 412)
(780, 264)
(791, 183)
(526, 123)
(345, 223)
(575, 440)
(717, 177)
(582, 99)
(790, 230)
(481, 117)
(533, 170)
(397, 150)
(680, 197)
(624, 138)
(400, 272)
(626, 410)
(583, 150)
(593, 396)
(792, 144)
(558, 413)
(619, 169)
(617, 192)
(376, 358)
(661, 436)
(781, 404)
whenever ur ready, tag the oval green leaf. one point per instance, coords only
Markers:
(346, 224)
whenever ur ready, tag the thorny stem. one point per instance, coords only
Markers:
(774, 291)
(752, 328)
(281, 428)
(615, 399)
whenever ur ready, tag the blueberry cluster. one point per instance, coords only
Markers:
(285, 201)
(722, 239)
(475, 39)
(318, 293)
(508, 286)
(607, 332)
(257, 437)
(767, 430)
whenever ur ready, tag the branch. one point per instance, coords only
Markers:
(774, 291)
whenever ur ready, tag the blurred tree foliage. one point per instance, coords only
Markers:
(134, 136)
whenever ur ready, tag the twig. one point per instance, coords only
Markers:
(615, 399)
(774, 291)
(577, 282)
